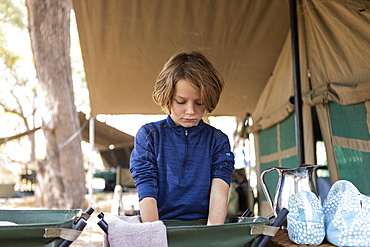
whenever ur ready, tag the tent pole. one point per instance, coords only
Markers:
(91, 168)
(297, 82)
(91, 161)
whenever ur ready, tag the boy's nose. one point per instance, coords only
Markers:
(190, 109)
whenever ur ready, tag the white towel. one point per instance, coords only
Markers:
(7, 223)
(128, 231)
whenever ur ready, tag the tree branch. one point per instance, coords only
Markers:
(28, 132)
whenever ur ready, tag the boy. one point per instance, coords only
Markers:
(182, 166)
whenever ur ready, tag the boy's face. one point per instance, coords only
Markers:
(186, 106)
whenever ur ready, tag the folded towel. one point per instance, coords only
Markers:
(128, 231)
(7, 223)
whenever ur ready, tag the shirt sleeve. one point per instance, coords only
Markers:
(143, 165)
(223, 159)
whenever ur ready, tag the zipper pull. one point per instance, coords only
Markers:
(186, 132)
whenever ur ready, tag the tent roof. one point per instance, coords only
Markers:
(106, 135)
(126, 43)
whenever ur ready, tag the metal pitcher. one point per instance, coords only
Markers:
(291, 181)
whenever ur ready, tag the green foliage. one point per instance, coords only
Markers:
(9, 58)
(11, 16)
(16, 93)
(11, 13)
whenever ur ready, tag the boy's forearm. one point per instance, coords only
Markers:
(218, 202)
(149, 209)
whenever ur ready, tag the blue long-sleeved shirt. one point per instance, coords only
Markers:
(176, 165)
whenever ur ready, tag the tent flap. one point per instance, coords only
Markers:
(338, 37)
(274, 104)
(345, 94)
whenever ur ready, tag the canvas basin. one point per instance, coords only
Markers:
(30, 225)
(196, 233)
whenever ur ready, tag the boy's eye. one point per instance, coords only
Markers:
(184, 102)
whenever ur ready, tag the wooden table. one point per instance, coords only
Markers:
(281, 239)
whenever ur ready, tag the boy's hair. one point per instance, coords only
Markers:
(195, 68)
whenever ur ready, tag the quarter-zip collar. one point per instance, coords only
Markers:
(179, 129)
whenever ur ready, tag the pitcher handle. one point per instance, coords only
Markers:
(264, 187)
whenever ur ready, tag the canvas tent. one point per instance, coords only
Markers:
(125, 43)
(114, 145)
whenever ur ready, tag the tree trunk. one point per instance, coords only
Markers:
(61, 177)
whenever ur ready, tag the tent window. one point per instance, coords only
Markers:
(351, 143)
(354, 165)
(349, 121)
(271, 178)
(277, 149)
(291, 162)
(268, 141)
(287, 134)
